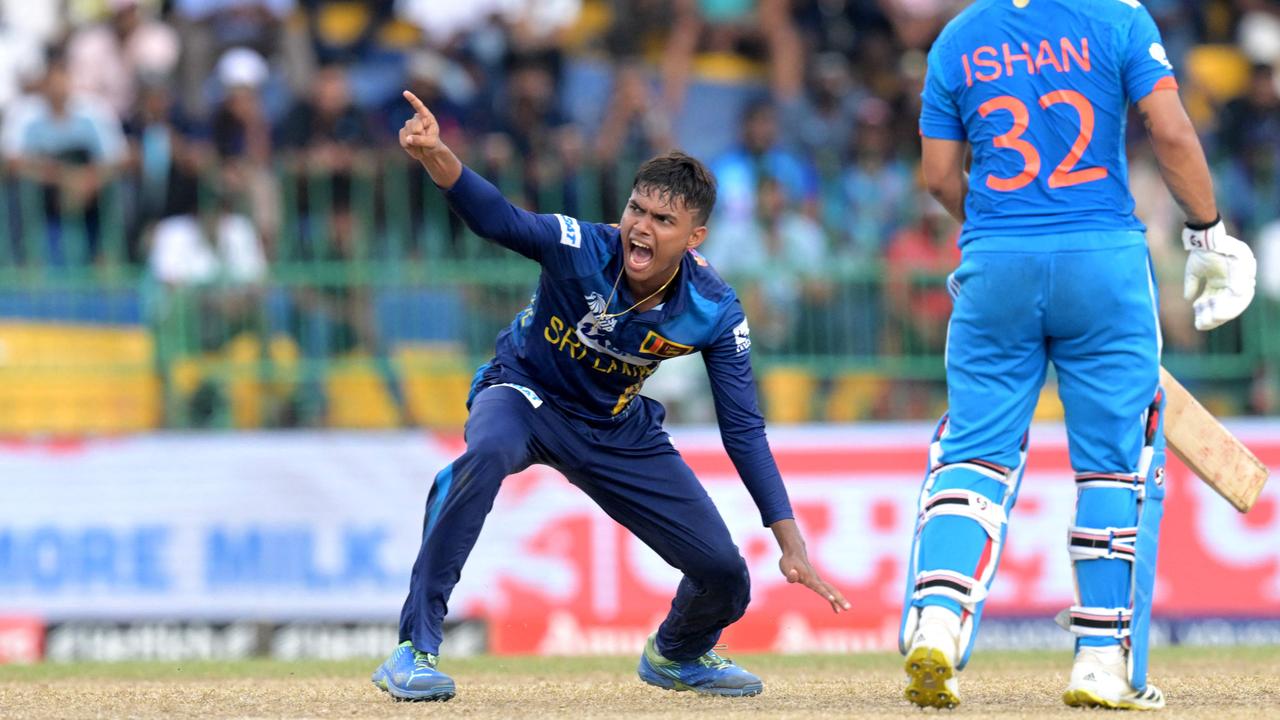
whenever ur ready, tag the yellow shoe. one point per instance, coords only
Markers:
(931, 661)
(1099, 679)
(931, 678)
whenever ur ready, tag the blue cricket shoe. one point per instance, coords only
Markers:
(412, 675)
(709, 674)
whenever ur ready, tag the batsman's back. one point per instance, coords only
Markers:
(1040, 89)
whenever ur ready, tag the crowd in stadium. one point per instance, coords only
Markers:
(165, 134)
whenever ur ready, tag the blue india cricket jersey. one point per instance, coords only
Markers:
(566, 349)
(1040, 90)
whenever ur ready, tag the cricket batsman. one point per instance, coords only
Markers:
(563, 390)
(1055, 268)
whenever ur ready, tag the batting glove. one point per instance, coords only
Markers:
(1220, 274)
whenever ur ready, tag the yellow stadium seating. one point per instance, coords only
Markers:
(788, 392)
(1049, 408)
(71, 379)
(436, 380)
(357, 396)
(854, 396)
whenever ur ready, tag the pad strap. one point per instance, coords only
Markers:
(963, 589)
(1102, 543)
(967, 503)
(1096, 621)
(1118, 481)
(991, 470)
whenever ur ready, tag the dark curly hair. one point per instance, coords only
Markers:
(677, 176)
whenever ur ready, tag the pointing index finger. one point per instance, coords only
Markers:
(418, 107)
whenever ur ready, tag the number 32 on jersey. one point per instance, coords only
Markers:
(1065, 174)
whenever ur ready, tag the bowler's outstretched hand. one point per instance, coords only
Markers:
(421, 133)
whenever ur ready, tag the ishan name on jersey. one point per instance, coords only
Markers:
(989, 64)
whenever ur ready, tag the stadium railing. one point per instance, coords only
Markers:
(376, 305)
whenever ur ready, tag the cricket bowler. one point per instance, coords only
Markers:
(563, 390)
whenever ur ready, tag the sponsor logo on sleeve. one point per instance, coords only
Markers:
(655, 344)
(528, 394)
(1159, 55)
(570, 232)
(742, 336)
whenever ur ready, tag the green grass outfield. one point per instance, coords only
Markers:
(1200, 683)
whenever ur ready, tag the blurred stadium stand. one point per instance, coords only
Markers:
(229, 237)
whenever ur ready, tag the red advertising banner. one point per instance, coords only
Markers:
(324, 528)
(21, 640)
(855, 494)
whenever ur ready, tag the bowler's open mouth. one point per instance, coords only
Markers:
(639, 255)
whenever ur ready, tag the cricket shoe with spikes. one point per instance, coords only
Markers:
(931, 660)
(708, 674)
(411, 674)
(1099, 678)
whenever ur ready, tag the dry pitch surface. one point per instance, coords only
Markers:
(1200, 683)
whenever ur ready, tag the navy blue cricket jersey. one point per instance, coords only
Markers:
(591, 368)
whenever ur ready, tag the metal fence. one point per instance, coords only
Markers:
(374, 305)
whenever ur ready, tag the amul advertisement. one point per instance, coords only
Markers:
(324, 528)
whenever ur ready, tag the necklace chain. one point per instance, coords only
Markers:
(650, 296)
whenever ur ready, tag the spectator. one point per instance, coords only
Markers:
(334, 319)
(780, 254)
(324, 142)
(445, 23)
(638, 27)
(917, 22)
(211, 268)
(216, 247)
(538, 27)
(71, 147)
(633, 128)
(759, 154)
(875, 197)
(242, 139)
(821, 122)
(25, 27)
(345, 32)
(539, 134)
(758, 29)
(917, 259)
(1268, 244)
(1249, 176)
(917, 303)
(1253, 116)
(106, 59)
(210, 28)
(165, 163)
(841, 26)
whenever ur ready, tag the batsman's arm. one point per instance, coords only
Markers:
(1178, 152)
(943, 137)
(942, 164)
(480, 205)
(1221, 271)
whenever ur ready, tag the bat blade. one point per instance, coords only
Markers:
(1215, 455)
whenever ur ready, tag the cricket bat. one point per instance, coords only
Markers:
(1213, 454)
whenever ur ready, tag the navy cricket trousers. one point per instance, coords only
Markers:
(630, 470)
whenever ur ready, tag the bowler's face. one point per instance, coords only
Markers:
(656, 231)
